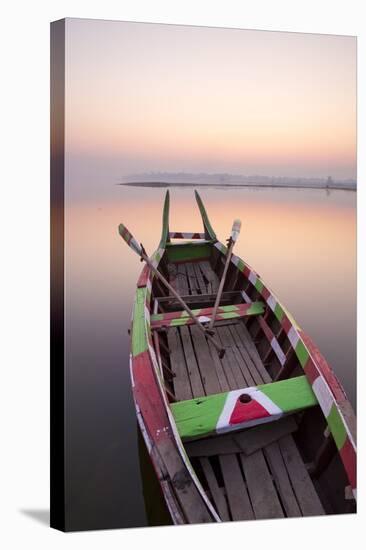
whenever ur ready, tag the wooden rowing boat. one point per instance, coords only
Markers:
(266, 431)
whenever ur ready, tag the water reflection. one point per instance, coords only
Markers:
(302, 242)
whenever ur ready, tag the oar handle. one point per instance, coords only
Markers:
(235, 230)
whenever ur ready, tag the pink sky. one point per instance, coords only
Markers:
(148, 97)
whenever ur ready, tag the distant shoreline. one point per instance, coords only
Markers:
(163, 184)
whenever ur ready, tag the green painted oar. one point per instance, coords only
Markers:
(140, 251)
(235, 230)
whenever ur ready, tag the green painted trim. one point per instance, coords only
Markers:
(278, 311)
(195, 417)
(241, 265)
(139, 341)
(256, 308)
(291, 394)
(210, 233)
(259, 285)
(336, 426)
(188, 251)
(165, 229)
(302, 353)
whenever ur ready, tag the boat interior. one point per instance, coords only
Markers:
(287, 468)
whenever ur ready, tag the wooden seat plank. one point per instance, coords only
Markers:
(216, 492)
(248, 441)
(236, 490)
(224, 312)
(261, 436)
(261, 490)
(212, 446)
(226, 412)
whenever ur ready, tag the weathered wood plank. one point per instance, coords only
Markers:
(182, 389)
(246, 338)
(208, 374)
(221, 374)
(229, 360)
(249, 370)
(262, 493)
(248, 441)
(306, 494)
(201, 283)
(282, 480)
(216, 492)
(236, 490)
(193, 370)
(210, 275)
(212, 446)
(192, 278)
(181, 280)
(258, 437)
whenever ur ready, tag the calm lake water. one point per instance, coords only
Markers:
(303, 244)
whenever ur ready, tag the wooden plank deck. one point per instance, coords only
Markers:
(263, 477)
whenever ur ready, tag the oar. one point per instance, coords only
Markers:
(231, 242)
(140, 251)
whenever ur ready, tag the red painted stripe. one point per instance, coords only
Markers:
(144, 276)
(243, 412)
(246, 271)
(266, 329)
(149, 399)
(323, 368)
(349, 460)
(311, 371)
(265, 293)
(286, 324)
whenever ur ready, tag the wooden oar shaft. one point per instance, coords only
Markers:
(222, 282)
(161, 277)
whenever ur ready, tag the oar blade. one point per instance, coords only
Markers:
(235, 230)
(129, 238)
